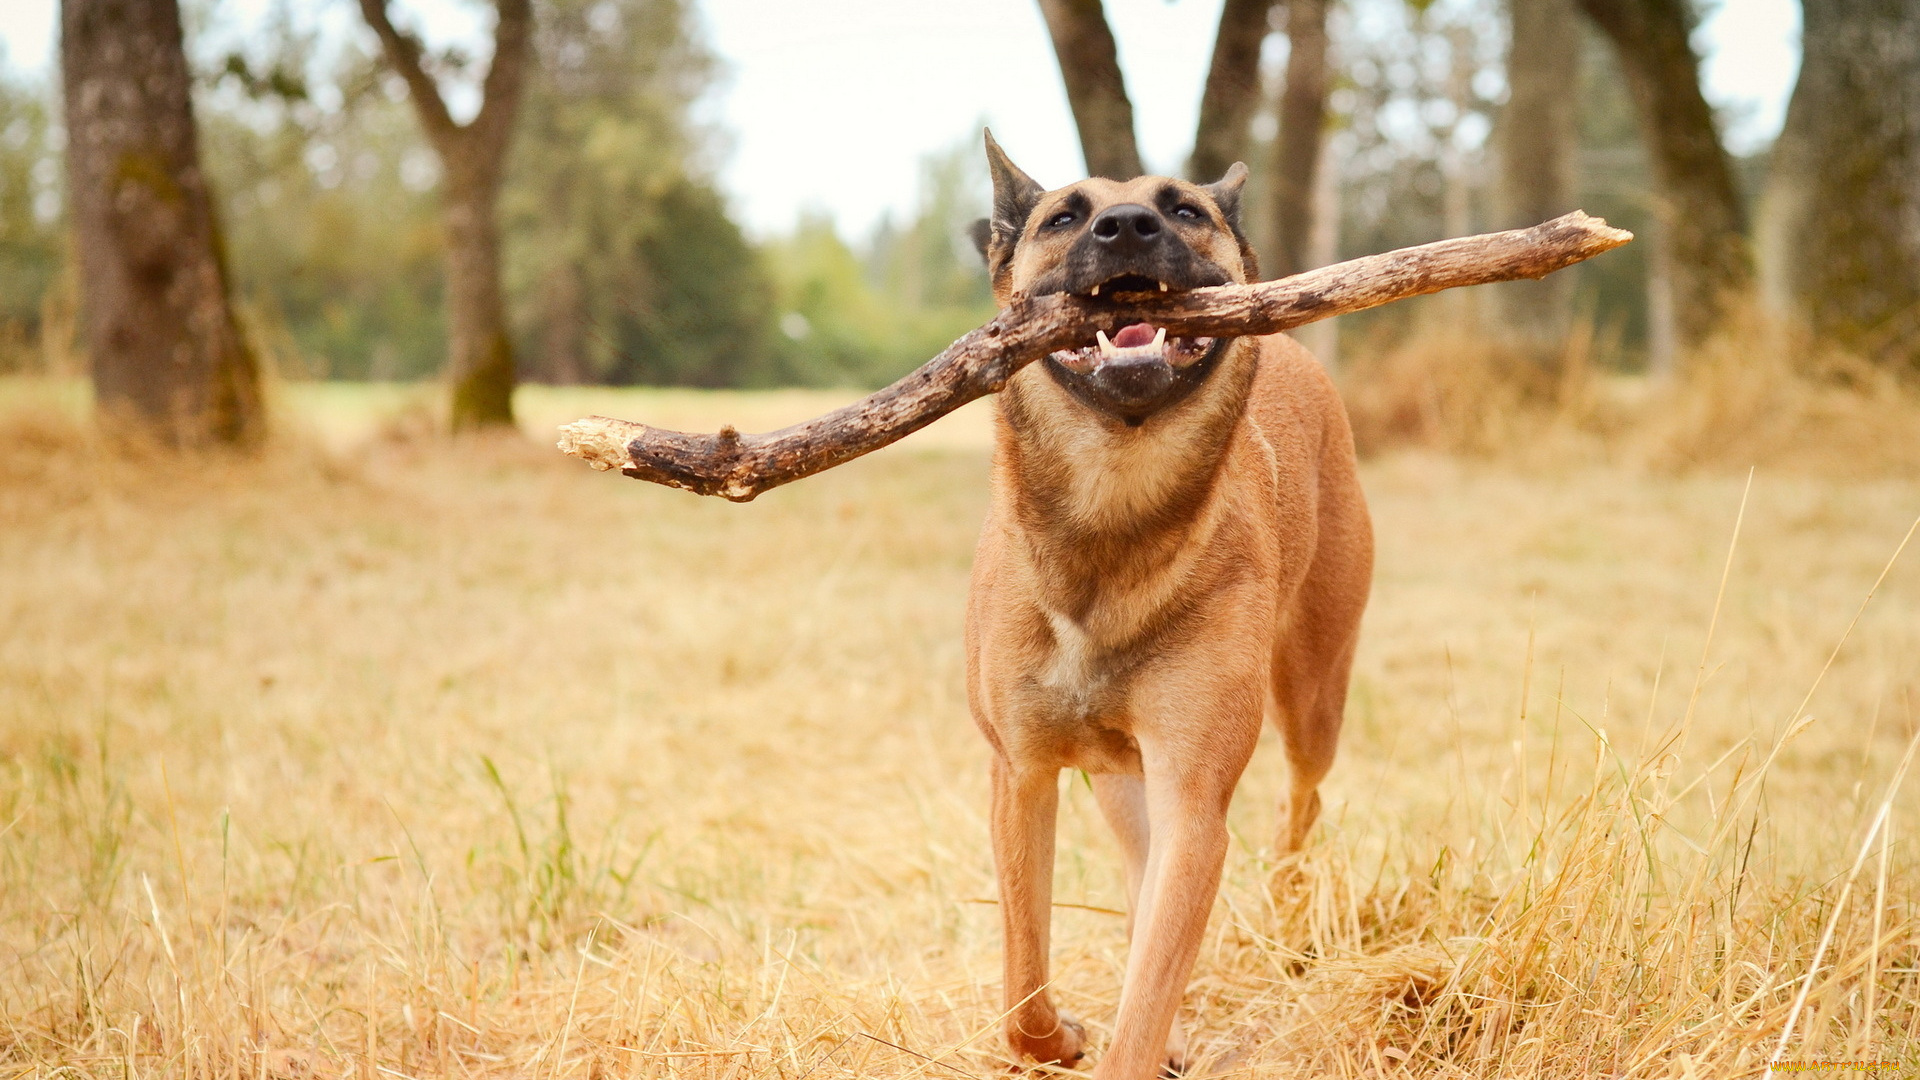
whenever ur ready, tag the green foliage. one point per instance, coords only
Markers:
(330, 214)
(31, 225)
(623, 264)
(700, 314)
(622, 261)
(866, 318)
(830, 315)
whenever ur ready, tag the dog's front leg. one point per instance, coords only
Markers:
(1123, 799)
(1026, 802)
(1187, 811)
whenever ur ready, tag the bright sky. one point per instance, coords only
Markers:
(832, 104)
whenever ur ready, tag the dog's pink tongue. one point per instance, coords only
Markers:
(1130, 336)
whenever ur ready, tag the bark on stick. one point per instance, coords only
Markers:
(739, 467)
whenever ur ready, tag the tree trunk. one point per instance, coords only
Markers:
(472, 156)
(1297, 147)
(479, 346)
(1096, 91)
(1699, 205)
(1840, 225)
(563, 337)
(1460, 174)
(1233, 90)
(1538, 147)
(157, 324)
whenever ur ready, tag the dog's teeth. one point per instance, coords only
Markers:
(1160, 337)
(1163, 286)
(1106, 347)
(1096, 290)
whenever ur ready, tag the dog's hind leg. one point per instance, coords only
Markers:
(1313, 654)
(1026, 803)
(1123, 802)
(1310, 699)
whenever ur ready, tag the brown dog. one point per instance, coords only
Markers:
(1177, 547)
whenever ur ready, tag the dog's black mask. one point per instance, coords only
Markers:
(1132, 369)
(1136, 370)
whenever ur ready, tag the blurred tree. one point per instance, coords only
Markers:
(1840, 224)
(473, 160)
(1232, 94)
(158, 326)
(927, 274)
(1537, 140)
(1703, 221)
(1096, 90)
(1416, 95)
(866, 317)
(32, 229)
(1616, 182)
(699, 312)
(834, 325)
(617, 242)
(328, 195)
(1297, 148)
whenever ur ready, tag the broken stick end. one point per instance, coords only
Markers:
(600, 441)
(1602, 232)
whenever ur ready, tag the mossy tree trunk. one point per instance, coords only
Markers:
(480, 348)
(1699, 205)
(156, 317)
(1840, 222)
(1538, 147)
(473, 157)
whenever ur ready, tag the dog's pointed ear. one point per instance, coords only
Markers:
(1226, 193)
(1014, 195)
(981, 233)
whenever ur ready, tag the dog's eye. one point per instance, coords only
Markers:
(1064, 217)
(1189, 212)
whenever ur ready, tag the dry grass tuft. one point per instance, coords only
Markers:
(1759, 394)
(436, 758)
(1459, 392)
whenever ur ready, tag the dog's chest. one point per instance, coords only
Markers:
(1091, 661)
(1073, 671)
(1080, 701)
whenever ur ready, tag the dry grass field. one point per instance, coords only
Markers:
(382, 755)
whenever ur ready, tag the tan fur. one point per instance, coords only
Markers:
(1142, 598)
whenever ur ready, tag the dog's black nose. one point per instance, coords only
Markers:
(1127, 227)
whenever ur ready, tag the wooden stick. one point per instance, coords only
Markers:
(739, 467)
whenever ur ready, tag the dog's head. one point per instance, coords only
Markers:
(1103, 238)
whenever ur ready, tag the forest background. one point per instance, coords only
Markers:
(624, 261)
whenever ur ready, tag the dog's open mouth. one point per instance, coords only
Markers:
(1132, 368)
(1131, 344)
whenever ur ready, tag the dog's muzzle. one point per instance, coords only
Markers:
(1136, 372)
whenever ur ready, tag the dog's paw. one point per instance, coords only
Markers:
(1177, 1057)
(1289, 883)
(1065, 1045)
